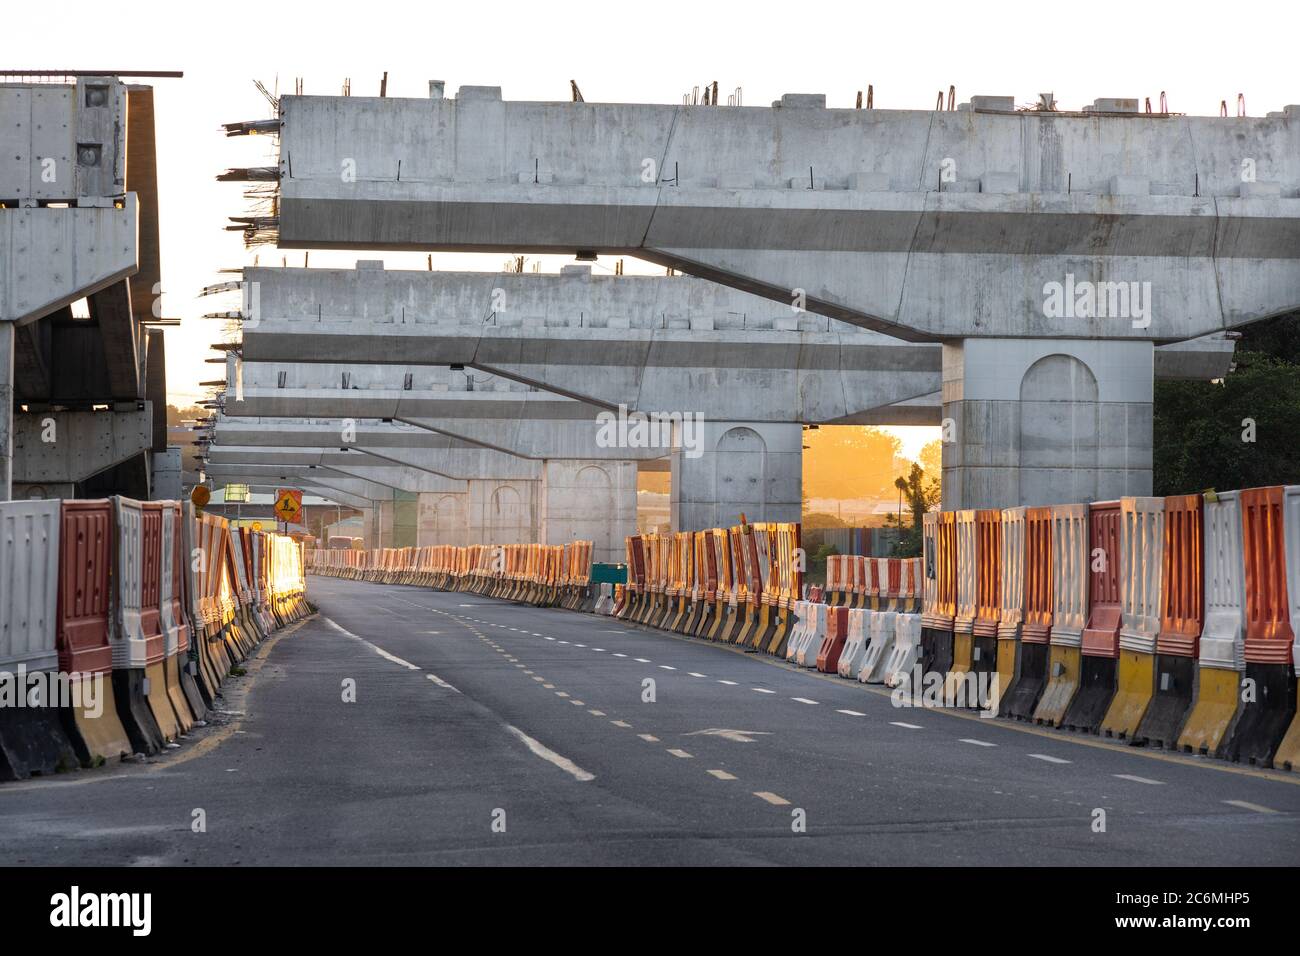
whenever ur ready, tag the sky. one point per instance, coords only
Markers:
(1200, 53)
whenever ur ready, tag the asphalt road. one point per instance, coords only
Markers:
(490, 733)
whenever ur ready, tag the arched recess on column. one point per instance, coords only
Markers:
(1058, 445)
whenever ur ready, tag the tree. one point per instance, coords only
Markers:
(920, 493)
(1239, 432)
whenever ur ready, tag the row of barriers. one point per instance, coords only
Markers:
(119, 621)
(545, 575)
(1168, 622)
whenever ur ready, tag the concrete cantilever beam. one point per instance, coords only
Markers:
(890, 219)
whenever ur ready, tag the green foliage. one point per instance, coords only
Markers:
(1201, 428)
(920, 493)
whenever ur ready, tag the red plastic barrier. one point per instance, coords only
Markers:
(837, 632)
(988, 582)
(1183, 578)
(151, 580)
(1101, 636)
(1037, 627)
(946, 568)
(1268, 626)
(85, 560)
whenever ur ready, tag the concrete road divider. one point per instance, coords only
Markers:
(32, 738)
(1142, 535)
(1069, 612)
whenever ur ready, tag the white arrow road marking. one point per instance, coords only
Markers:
(740, 736)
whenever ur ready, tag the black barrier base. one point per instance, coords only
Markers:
(1171, 705)
(32, 741)
(1028, 686)
(936, 651)
(190, 688)
(984, 655)
(1097, 682)
(133, 710)
(1263, 722)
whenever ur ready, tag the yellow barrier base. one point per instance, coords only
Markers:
(1063, 665)
(1287, 756)
(103, 738)
(1136, 686)
(1217, 699)
(159, 704)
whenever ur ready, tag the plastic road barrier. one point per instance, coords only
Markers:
(85, 654)
(1222, 648)
(855, 648)
(881, 627)
(1268, 691)
(837, 633)
(1182, 617)
(1021, 698)
(135, 652)
(1069, 611)
(1098, 664)
(936, 627)
(1141, 555)
(905, 656)
(1287, 755)
(32, 739)
(988, 557)
(963, 627)
(1011, 611)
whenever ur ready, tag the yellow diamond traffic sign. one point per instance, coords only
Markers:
(288, 505)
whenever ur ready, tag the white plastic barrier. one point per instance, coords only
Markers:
(1291, 536)
(130, 648)
(29, 583)
(604, 600)
(875, 662)
(907, 650)
(1224, 633)
(807, 656)
(1141, 562)
(967, 573)
(855, 647)
(1069, 574)
(803, 611)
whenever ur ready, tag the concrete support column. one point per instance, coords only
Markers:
(502, 512)
(1045, 421)
(6, 410)
(755, 468)
(589, 501)
(444, 518)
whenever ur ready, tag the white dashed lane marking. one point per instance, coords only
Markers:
(729, 683)
(722, 775)
(1245, 805)
(678, 753)
(1048, 758)
(762, 690)
(1129, 776)
(772, 798)
(694, 674)
(851, 713)
(977, 743)
(649, 738)
(899, 723)
(803, 700)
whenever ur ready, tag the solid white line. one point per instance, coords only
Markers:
(549, 755)
(722, 775)
(762, 690)
(851, 713)
(803, 700)
(374, 647)
(1048, 758)
(649, 738)
(678, 753)
(899, 723)
(1129, 776)
(729, 683)
(1246, 805)
(977, 743)
(772, 798)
